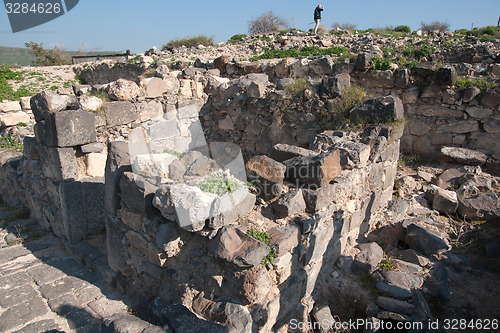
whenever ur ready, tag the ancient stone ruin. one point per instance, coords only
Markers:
(220, 193)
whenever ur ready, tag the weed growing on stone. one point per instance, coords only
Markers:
(297, 88)
(338, 108)
(463, 83)
(387, 265)
(21, 124)
(379, 64)
(264, 238)
(11, 143)
(235, 39)
(412, 160)
(173, 152)
(219, 186)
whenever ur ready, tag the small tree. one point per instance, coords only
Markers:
(344, 26)
(266, 23)
(45, 57)
(441, 26)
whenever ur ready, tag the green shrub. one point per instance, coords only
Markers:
(189, 42)
(218, 185)
(338, 108)
(264, 238)
(297, 88)
(237, 38)
(11, 143)
(463, 83)
(403, 28)
(387, 265)
(43, 57)
(380, 64)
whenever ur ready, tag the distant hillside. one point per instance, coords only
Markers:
(20, 56)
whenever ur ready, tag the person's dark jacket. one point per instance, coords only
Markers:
(317, 13)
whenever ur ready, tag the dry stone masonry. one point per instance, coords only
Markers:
(221, 193)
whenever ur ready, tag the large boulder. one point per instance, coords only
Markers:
(367, 260)
(44, 103)
(484, 206)
(426, 241)
(335, 86)
(70, 128)
(383, 109)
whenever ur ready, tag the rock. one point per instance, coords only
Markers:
(149, 110)
(352, 154)
(450, 178)
(445, 201)
(379, 79)
(384, 109)
(323, 317)
(290, 204)
(446, 75)
(95, 147)
(123, 90)
(413, 257)
(230, 207)
(403, 280)
(201, 167)
(14, 118)
(401, 78)
(153, 166)
(367, 260)
(463, 156)
(491, 98)
(126, 323)
(437, 283)
(235, 246)
(397, 209)
(176, 170)
(10, 106)
(96, 163)
(394, 305)
(70, 128)
(180, 319)
(393, 291)
(317, 170)
(268, 175)
(425, 241)
(470, 93)
(372, 310)
(321, 66)
(117, 162)
(284, 239)
(46, 102)
(335, 86)
(220, 63)
(187, 205)
(154, 87)
(405, 186)
(282, 152)
(59, 163)
(484, 206)
(120, 113)
(468, 189)
(407, 267)
(139, 194)
(90, 103)
(391, 316)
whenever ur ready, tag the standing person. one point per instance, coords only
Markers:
(317, 17)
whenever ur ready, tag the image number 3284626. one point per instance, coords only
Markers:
(26, 14)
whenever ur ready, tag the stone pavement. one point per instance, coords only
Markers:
(43, 288)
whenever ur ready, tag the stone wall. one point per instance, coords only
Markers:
(173, 138)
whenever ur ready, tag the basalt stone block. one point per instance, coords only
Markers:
(59, 163)
(76, 199)
(46, 103)
(117, 163)
(282, 152)
(290, 204)
(137, 194)
(235, 246)
(383, 109)
(446, 75)
(30, 150)
(334, 86)
(317, 170)
(70, 128)
(268, 175)
(120, 113)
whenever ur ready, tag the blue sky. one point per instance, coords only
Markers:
(138, 25)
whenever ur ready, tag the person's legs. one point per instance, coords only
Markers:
(316, 26)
